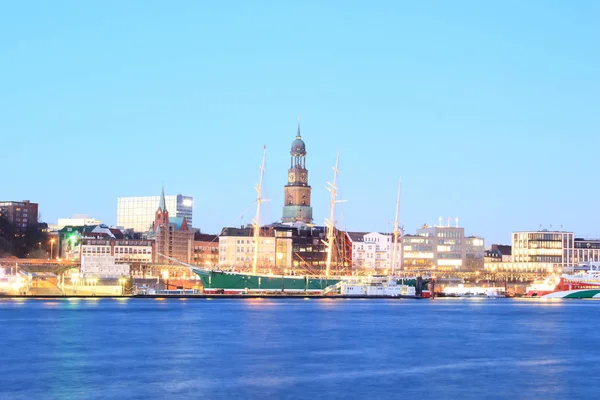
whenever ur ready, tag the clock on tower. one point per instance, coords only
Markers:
(297, 191)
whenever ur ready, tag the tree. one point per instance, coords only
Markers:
(20, 243)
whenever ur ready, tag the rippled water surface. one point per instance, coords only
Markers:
(299, 349)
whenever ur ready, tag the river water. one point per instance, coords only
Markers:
(299, 349)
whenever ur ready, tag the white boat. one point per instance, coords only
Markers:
(473, 291)
(375, 286)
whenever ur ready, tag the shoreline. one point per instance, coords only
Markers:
(209, 296)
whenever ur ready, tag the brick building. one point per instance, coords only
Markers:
(21, 214)
(172, 236)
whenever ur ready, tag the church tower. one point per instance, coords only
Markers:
(161, 217)
(296, 197)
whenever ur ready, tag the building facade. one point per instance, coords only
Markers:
(498, 253)
(442, 248)
(297, 249)
(556, 250)
(585, 251)
(374, 251)
(237, 246)
(173, 238)
(103, 266)
(75, 220)
(70, 238)
(544, 252)
(544, 247)
(123, 250)
(20, 214)
(138, 213)
(206, 250)
(296, 194)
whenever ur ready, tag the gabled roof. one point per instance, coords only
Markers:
(116, 233)
(205, 237)
(502, 249)
(179, 222)
(229, 231)
(505, 250)
(357, 236)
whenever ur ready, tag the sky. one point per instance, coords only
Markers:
(487, 110)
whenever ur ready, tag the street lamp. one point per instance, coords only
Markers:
(94, 282)
(165, 275)
(122, 284)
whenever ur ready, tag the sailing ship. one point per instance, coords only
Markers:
(220, 281)
(317, 257)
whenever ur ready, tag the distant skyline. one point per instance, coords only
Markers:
(487, 110)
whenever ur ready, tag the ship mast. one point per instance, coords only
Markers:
(256, 219)
(329, 223)
(396, 230)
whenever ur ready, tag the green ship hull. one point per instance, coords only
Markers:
(237, 282)
(223, 282)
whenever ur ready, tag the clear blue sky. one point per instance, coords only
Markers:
(488, 110)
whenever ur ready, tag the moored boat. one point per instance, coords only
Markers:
(586, 280)
(228, 282)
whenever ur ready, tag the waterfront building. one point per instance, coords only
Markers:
(586, 251)
(554, 248)
(102, 266)
(173, 236)
(74, 242)
(137, 213)
(442, 248)
(373, 250)
(206, 249)
(237, 246)
(498, 253)
(297, 191)
(545, 250)
(130, 251)
(69, 238)
(298, 248)
(309, 253)
(20, 214)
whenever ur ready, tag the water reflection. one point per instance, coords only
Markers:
(278, 348)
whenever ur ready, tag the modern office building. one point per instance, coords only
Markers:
(547, 251)
(562, 250)
(442, 248)
(543, 247)
(138, 213)
(585, 251)
(20, 214)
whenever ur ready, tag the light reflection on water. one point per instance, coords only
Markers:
(283, 348)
